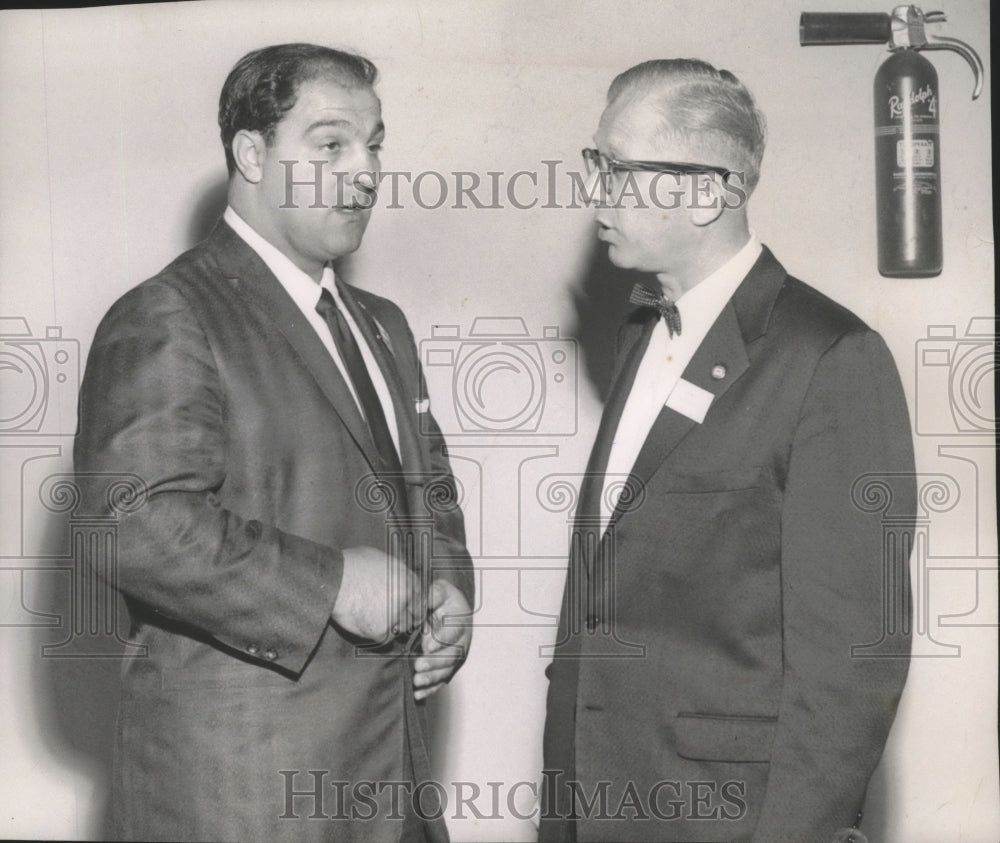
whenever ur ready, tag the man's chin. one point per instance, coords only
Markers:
(345, 246)
(617, 258)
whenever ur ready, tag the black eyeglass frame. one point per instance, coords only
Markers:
(592, 158)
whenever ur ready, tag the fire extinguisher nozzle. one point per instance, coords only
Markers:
(942, 42)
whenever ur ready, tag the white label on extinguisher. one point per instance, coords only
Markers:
(914, 153)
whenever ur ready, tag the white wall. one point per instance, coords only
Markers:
(110, 165)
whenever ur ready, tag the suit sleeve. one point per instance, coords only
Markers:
(152, 406)
(837, 706)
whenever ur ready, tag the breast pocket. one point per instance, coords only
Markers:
(698, 482)
(708, 522)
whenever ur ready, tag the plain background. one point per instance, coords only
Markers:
(110, 165)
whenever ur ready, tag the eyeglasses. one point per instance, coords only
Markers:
(597, 162)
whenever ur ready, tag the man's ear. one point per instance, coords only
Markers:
(249, 150)
(708, 199)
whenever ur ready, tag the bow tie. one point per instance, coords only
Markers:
(645, 297)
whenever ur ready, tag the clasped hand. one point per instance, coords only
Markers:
(381, 597)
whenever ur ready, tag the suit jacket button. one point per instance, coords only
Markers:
(270, 655)
(253, 649)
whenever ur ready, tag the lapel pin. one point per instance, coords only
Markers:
(381, 333)
(718, 372)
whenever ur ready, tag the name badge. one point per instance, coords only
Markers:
(690, 400)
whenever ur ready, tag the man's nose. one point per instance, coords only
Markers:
(593, 187)
(367, 181)
(596, 191)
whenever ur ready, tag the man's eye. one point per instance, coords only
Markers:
(375, 148)
(332, 146)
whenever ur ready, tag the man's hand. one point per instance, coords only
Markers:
(379, 597)
(446, 639)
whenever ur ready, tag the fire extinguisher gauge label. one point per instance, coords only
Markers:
(914, 152)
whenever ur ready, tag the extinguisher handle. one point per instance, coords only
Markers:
(941, 42)
(844, 28)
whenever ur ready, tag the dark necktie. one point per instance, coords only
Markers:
(368, 398)
(645, 297)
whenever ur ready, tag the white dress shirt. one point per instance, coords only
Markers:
(305, 293)
(663, 363)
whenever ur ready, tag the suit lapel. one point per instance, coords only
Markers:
(723, 346)
(722, 352)
(249, 276)
(588, 510)
(375, 334)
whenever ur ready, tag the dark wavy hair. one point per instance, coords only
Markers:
(264, 85)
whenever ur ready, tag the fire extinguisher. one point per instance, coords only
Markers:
(907, 129)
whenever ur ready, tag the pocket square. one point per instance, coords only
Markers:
(423, 405)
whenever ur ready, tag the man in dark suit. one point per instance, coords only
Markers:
(273, 559)
(709, 680)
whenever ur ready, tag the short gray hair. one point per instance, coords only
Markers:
(701, 106)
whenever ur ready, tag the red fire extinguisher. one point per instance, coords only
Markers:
(907, 129)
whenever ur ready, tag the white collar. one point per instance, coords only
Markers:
(299, 285)
(711, 294)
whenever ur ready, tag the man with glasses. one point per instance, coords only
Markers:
(729, 584)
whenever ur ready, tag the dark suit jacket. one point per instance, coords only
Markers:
(207, 384)
(716, 678)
